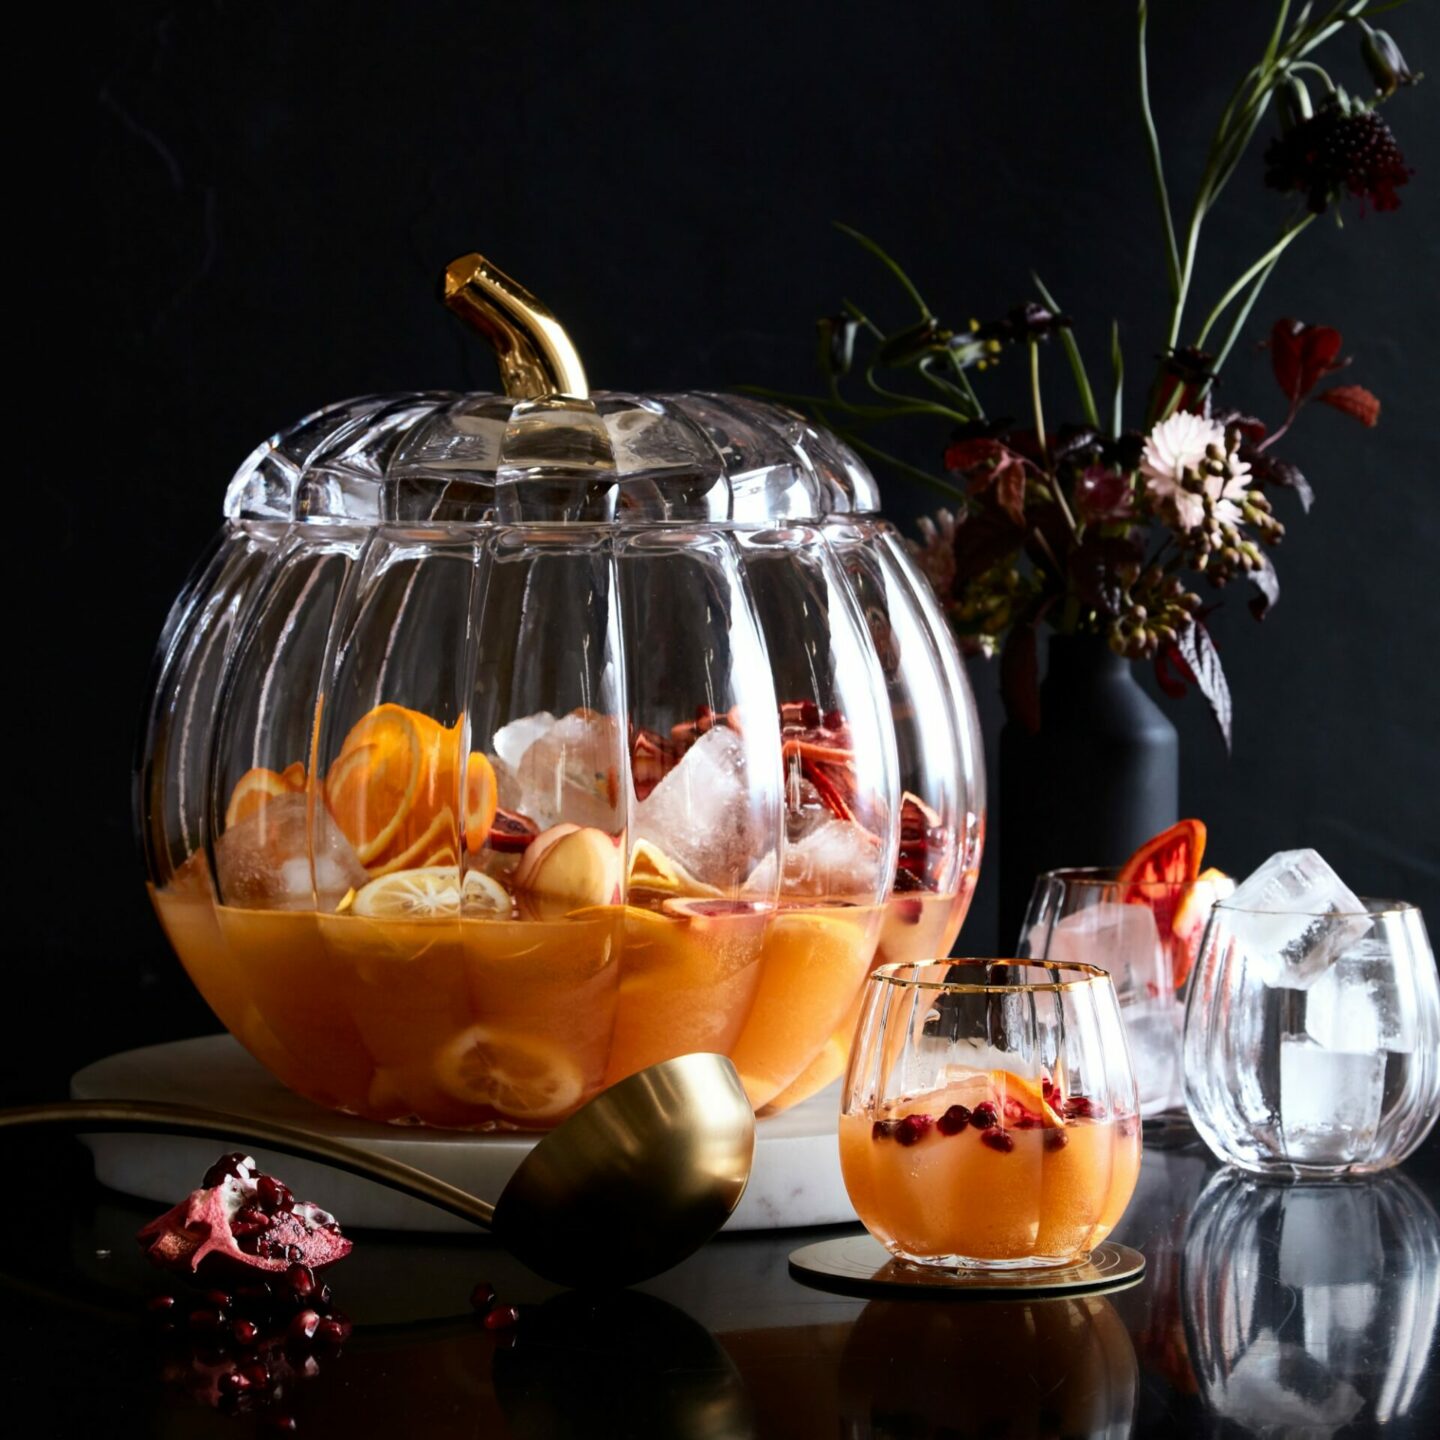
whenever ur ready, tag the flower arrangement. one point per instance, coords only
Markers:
(1095, 527)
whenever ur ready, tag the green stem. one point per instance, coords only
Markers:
(1072, 354)
(1238, 324)
(1157, 164)
(1035, 402)
(1265, 262)
(891, 265)
(903, 466)
(1117, 364)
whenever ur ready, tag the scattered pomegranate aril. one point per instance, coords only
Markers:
(482, 1297)
(1078, 1107)
(257, 1373)
(954, 1120)
(300, 1280)
(303, 1326)
(884, 1129)
(272, 1195)
(220, 1299)
(323, 1296)
(984, 1115)
(1129, 1124)
(160, 1304)
(246, 1332)
(1056, 1139)
(998, 1140)
(232, 1382)
(913, 1128)
(502, 1317)
(256, 1294)
(207, 1320)
(283, 1424)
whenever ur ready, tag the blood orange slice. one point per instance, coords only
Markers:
(1157, 872)
(1191, 915)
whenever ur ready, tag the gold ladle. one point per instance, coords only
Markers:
(628, 1186)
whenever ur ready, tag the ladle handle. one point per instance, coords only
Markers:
(150, 1117)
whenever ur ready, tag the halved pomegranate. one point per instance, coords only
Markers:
(240, 1220)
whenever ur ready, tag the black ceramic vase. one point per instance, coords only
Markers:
(1100, 775)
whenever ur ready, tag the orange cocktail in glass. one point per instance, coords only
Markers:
(990, 1117)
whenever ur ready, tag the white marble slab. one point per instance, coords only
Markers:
(795, 1181)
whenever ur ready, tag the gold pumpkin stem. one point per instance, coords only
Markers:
(535, 355)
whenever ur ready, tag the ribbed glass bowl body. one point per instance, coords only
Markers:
(501, 748)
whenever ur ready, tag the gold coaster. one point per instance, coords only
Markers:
(861, 1265)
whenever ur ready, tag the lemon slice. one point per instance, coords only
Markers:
(651, 869)
(431, 892)
(521, 1077)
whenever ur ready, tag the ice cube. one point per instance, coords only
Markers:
(838, 859)
(569, 771)
(1330, 1102)
(1122, 939)
(1330, 1236)
(1153, 1028)
(513, 740)
(1357, 1005)
(1293, 916)
(1279, 1388)
(700, 812)
(264, 861)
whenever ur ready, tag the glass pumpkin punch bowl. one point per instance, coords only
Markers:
(506, 744)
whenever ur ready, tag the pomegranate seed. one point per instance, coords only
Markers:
(209, 1320)
(1078, 1105)
(503, 1317)
(334, 1330)
(254, 1294)
(246, 1332)
(1056, 1140)
(954, 1120)
(309, 1368)
(884, 1129)
(232, 1382)
(272, 1194)
(482, 1297)
(285, 1424)
(984, 1115)
(834, 719)
(160, 1304)
(1129, 1125)
(241, 1167)
(257, 1373)
(220, 1299)
(304, 1325)
(913, 1128)
(323, 1296)
(300, 1281)
(293, 1252)
(998, 1140)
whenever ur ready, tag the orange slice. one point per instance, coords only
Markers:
(431, 893)
(372, 786)
(520, 1076)
(1170, 858)
(1190, 917)
(252, 790)
(438, 839)
(482, 799)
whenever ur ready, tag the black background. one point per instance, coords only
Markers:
(239, 213)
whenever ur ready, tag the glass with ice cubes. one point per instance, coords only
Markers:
(1144, 934)
(1312, 1036)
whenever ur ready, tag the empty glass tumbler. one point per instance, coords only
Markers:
(1312, 1040)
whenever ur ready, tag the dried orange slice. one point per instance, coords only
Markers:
(520, 1076)
(373, 784)
(257, 786)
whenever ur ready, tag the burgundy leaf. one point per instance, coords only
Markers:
(1267, 584)
(1202, 660)
(1268, 470)
(1103, 494)
(1353, 400)
(965, 455)
(1171, 671)
(1010, 489)
(1252, 431)
(1020, 677)
(1097, 566)
(983, 537)
(1302, 355)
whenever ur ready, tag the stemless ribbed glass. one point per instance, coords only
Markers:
(990, 1118)
(1145, 934)
(1312, 1041)
(1312, 1309)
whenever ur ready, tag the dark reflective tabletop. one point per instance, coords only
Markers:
(1265, 1310)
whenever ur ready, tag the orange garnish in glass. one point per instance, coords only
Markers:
(257, 786)
(1160, 873)
(373, 784)
(482, 798)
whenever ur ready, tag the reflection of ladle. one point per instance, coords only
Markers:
(628, 1186)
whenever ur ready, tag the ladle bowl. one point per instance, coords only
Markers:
(627, 1187)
